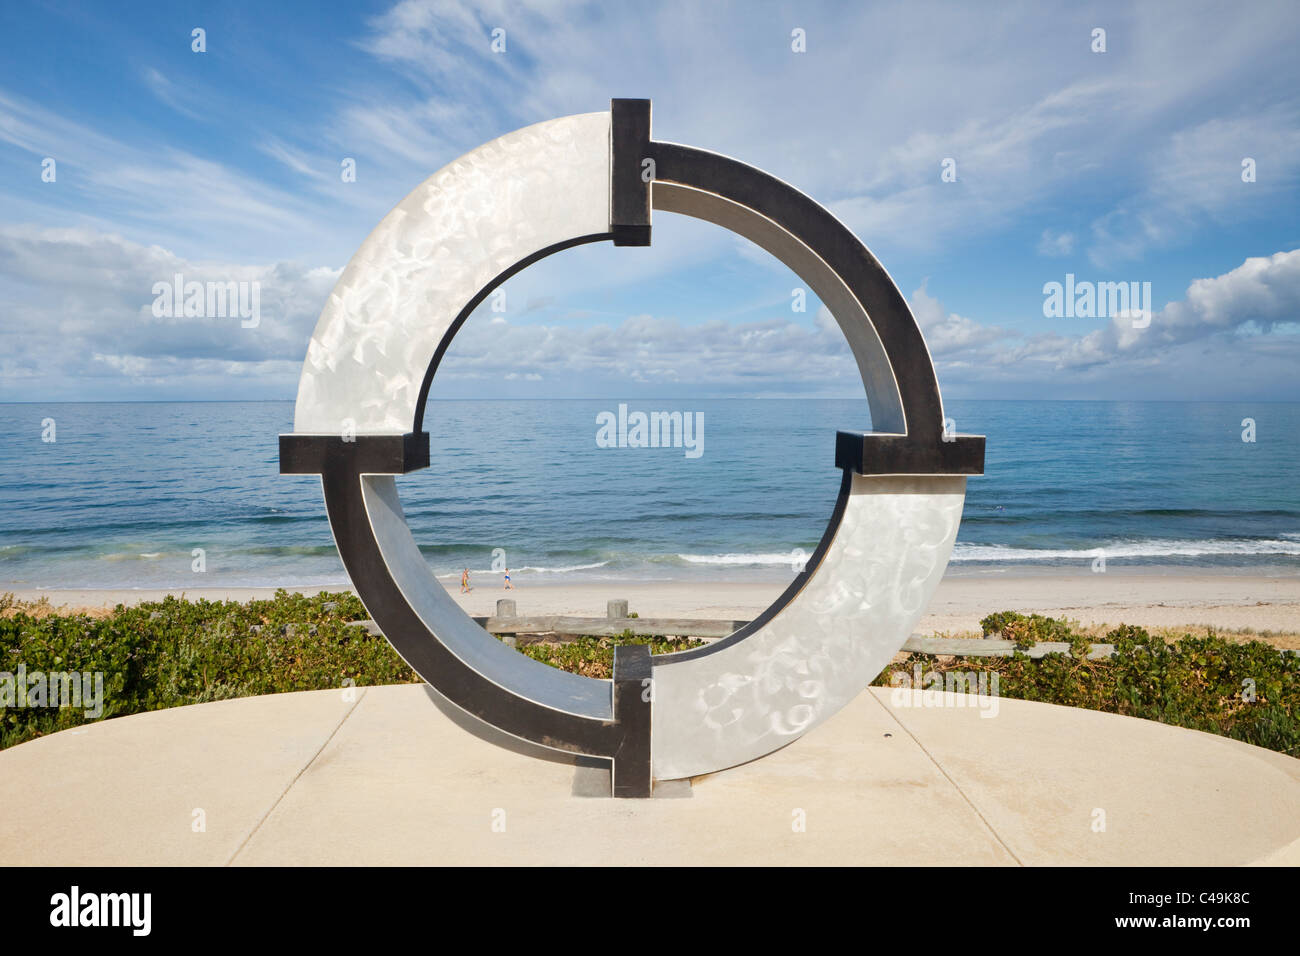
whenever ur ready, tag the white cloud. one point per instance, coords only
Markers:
(167, 92)
(1260, 298)
(1193, 181)
(82, 311)
(885, 93)
(1247, 304)
(1056, 243)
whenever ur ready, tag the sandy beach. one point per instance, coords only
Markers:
(1224, 602)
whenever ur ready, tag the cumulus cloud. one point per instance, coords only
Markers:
(83, 312)
(84, 308)
(1259, 295)
(771, 356)
(1253, 309)
(949, 335)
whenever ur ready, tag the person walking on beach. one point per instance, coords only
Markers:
(464, 582)
(509, 586)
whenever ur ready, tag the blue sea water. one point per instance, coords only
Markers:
(126, 492)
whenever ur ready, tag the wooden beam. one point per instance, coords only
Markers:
(989, 647)
(609, 627)
(564, 628)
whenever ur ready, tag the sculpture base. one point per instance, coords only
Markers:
(390, 775)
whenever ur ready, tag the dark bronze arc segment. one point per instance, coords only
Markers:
(923, 448)
(839, 248)
(624, 738)
(364, 560)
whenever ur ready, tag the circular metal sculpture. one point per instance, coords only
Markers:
(359, 421)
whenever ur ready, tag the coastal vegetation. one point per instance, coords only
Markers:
(1243, 689)
(176, 652)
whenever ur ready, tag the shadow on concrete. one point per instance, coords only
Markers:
(591, 776)
(486, 732)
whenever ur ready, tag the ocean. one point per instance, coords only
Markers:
(125, 493)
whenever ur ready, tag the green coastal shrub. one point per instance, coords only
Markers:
(176, 652)
(1247, 691)
(1027, 631)
(594, 656)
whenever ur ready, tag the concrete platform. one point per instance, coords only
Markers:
(393, 775)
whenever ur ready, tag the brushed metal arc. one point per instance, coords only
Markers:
(473, 221)
(820, 646)
(391, 317)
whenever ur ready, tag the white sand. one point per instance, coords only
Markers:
(1147, 599)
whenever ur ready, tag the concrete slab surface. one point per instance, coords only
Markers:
(395, 775)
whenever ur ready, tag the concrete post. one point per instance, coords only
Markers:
(616, 609)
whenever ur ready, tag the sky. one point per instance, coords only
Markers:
(981, 151)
